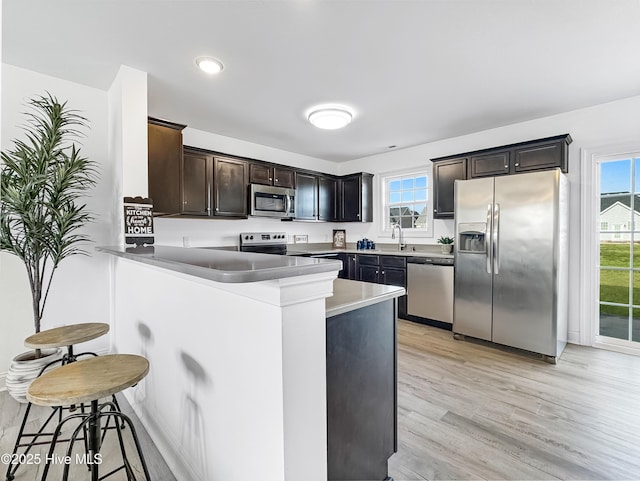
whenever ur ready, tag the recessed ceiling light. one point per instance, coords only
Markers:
(330, 117)
(209, 65)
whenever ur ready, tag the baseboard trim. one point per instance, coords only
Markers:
(617, 345)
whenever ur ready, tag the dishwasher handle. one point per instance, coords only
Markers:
(436, 261)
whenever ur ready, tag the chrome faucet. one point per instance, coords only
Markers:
(401, 244)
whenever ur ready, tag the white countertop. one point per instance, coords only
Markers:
(222, 265)
(351, 295)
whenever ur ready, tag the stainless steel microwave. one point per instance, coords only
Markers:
(268, 201)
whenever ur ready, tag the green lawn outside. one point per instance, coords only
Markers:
(614, 285)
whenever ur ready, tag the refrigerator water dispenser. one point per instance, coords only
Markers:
(471, 238)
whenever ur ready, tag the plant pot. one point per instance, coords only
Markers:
(25, 368)
(446, 248)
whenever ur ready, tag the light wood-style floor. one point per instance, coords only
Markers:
(470, 411)
(11, 414)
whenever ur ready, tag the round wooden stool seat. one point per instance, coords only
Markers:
(66, 335)
(88, 380)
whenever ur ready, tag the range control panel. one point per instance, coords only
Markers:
(263, 238)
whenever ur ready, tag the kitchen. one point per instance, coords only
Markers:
(611, 120)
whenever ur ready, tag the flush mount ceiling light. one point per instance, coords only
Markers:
(330, 117)
(209, 65)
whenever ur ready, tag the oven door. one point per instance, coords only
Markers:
(279, 249)
(269, 201)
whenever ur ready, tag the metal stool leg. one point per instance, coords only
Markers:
(91, 423)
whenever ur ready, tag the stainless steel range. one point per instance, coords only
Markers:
(264, 242)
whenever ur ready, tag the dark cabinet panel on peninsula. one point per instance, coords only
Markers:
(164, 157)
(362, 397)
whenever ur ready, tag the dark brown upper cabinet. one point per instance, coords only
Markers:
(306, 196)
(490, 164)
(540, 154)
(212, 185)
(197, 180)
(327, 199)
(192, 181)
(230, 178)
(356, 198)
(164, 163)
(271, 175)
(445, 174)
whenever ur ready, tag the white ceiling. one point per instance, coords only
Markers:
(414, 71)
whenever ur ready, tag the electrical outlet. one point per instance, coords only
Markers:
(301, 239)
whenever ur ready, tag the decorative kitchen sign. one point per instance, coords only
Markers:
(138, 221)
(339, 239)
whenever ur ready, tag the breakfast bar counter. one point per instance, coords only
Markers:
(242, 355)
(222, 265)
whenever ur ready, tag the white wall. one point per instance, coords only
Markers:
(80, 287)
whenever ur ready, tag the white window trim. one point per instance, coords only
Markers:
(384, 230)
(590, 223)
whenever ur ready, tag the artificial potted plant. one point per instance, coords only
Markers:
(446, 244)
(42, 181)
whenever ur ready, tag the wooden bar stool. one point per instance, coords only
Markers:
(65, 337)
(87, 381)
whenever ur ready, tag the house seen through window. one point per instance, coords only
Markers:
(406, 201)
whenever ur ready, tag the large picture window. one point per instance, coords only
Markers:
(406, 201)
(619, 259)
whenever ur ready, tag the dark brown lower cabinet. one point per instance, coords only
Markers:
(384, 269)
(361, 392)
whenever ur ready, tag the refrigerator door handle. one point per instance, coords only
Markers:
(487, 236)
(496, 239)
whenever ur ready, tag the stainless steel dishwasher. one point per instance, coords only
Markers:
(430, 288)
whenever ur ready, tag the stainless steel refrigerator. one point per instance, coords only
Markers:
(511, 261)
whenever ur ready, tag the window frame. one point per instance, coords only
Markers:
(589, 251)
(383, 187)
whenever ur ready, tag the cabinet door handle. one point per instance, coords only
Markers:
(506, 166)
(383, 273)
(517, 164)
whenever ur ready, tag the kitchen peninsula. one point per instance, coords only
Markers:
(254, 370)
